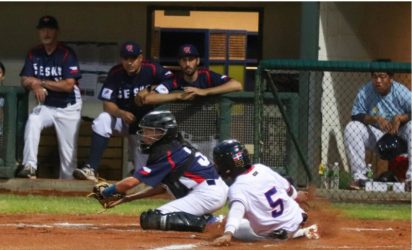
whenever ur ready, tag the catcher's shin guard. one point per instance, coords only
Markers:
(177, 221)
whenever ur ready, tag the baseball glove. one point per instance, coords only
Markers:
(98, 195)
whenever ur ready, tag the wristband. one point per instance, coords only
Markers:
(110, 191)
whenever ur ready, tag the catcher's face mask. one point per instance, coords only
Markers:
(148, 135)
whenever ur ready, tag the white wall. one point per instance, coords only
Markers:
(365, 31)
(356, 32)
(117, 22)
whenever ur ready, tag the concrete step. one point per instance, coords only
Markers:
(46, 186)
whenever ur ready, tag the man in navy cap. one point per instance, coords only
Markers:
(51, 72)
(193, 81)
(121, 116)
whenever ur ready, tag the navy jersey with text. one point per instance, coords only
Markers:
(206, 79)
(198, 169)
(121, 88)
(60, 65)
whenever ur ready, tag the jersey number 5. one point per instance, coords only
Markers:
(277, 205)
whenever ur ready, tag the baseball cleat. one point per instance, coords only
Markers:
(312, 232)
(279, 234)
(213, 219)
(85, 173)
(27, 172)
(357, 184)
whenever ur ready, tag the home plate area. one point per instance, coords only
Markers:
(104, 231)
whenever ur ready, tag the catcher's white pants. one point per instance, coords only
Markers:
(66, 122)
(359, 137)
(106, 125)
(203, 199)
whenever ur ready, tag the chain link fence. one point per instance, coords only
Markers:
(336, 157)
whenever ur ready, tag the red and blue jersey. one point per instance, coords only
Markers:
(121, 88)
(206, 79)
(61, 64)
(169, 159)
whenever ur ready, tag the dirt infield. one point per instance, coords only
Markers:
(123, 232)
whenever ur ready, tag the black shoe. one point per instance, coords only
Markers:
(27, 172)
(358, 184)
(280, 234)
(85, 173)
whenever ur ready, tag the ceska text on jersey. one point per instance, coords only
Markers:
(60, 65)
(121, 88)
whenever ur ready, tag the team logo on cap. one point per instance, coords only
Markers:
(187, 50)
(129, 47)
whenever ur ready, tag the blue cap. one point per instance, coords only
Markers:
(187, 50)
(47, 22)
(130, 49)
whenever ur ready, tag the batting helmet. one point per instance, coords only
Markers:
(163, 121)
(389, 146)
(231, 158)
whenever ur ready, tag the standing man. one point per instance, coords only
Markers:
(263, 204)
(51, 71)
(121, 115)
(381, 106)
(193, 81)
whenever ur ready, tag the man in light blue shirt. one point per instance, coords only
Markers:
(381, 106)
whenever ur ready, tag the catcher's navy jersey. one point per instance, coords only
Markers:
(198, 170)
(206, 79)
(121, 88)
(60, 65)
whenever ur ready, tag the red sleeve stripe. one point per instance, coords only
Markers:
(198, 179)
(170, 160)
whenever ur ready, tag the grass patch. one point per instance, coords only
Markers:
(24, 204)
(37, 204)
(375, 211)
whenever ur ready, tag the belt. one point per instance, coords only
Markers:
(211, 182)
(63, 105)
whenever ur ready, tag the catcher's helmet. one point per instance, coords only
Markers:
(389, 146)
(163, 121)
(231, 158)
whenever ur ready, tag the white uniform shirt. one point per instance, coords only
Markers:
(268, 207)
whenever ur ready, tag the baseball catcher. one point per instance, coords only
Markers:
(175, 166)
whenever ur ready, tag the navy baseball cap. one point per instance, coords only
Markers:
(47, 22)
(187, 50)
(130, 49)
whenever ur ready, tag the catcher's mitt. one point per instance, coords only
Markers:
(98, 195)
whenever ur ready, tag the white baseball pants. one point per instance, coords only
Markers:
(359, 137)
(203, 199)
(66, 122)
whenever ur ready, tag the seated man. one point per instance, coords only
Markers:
(263, 204)
(176, 166)
(381, 106)
(121, 116)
